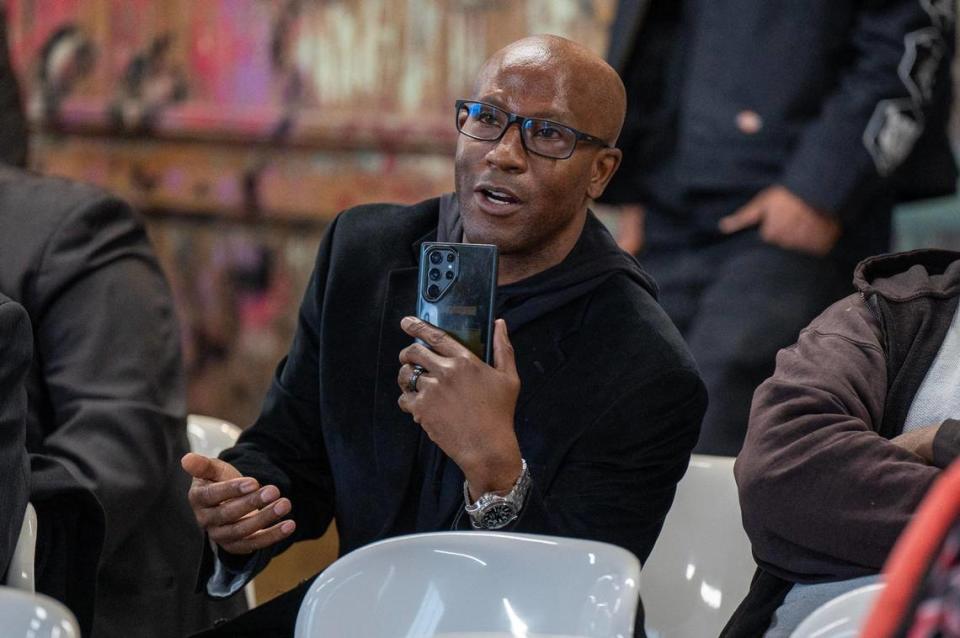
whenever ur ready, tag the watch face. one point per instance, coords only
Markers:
(498, 515)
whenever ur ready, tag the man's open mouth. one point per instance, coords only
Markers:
(499, 197)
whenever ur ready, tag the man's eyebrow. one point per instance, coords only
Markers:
(560, 118)
(490, 99)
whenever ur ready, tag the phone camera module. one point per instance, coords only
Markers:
(436, 257)
(434, 274)
(433, 291)
(451, 257)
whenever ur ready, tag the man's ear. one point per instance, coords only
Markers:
(605, 164)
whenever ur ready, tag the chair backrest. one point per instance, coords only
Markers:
(475, 584)
(20, 575)
(209, 435)
(26, 615)
(841, 617)
(701, 566)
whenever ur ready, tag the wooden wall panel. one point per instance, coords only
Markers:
(197, 79)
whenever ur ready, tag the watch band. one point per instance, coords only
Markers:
(495, 511)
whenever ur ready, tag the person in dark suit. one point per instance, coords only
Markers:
(106, 402)
(584, 422)
(766, 144)
(70, 519)
(16, 352)
(106, 411)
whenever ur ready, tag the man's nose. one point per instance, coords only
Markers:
(509, 154)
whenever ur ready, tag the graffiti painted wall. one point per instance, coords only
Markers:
(290, 108)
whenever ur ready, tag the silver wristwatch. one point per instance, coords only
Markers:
(494, 511)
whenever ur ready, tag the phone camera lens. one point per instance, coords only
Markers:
(433, 291)
(451, 257)
(436, 257)
(434, 274)
(449, 274)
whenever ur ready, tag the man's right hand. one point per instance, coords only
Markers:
(230, 508)
(787, 221)
(919, 441)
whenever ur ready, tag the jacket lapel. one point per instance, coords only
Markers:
(395, 434)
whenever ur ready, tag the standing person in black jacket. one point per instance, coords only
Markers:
(765, 145)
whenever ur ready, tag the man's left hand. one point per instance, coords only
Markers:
(786, 221)
(465, 406)
(918, 441)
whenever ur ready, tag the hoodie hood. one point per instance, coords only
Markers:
(594, 258)
(908, 275)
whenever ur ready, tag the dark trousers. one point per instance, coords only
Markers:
(737, 301)
(275, 618)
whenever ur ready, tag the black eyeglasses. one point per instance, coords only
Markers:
(486, 122)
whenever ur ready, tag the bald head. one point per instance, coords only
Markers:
(591, 88)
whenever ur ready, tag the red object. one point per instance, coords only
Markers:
(909, 562)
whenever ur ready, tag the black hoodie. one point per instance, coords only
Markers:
(592, 260)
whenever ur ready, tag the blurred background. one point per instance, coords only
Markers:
(238, 128)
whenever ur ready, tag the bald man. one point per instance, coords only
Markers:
(582, 425)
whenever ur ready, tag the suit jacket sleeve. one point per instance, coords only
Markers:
(285, 446)
(899, 70)
(618, 481)
(823, 496)
(110, 358)
(16, 344)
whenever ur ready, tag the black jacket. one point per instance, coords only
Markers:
(842, 87)
(106, 406)
(15, 352)
(608, 412)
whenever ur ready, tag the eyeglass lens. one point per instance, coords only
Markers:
(486, 122)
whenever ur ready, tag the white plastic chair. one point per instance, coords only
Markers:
(20, 574)
(210, 436)
(701, 566)
(841, 617)
(28, 615)
(475, 584)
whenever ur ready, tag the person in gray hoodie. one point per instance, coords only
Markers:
(846, 437)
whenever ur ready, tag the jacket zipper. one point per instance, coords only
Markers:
(870, 306)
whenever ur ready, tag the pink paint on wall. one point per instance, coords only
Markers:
(31, 23)
(128, 35)
(230, 54)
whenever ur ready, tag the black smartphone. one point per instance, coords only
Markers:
(458, 283)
